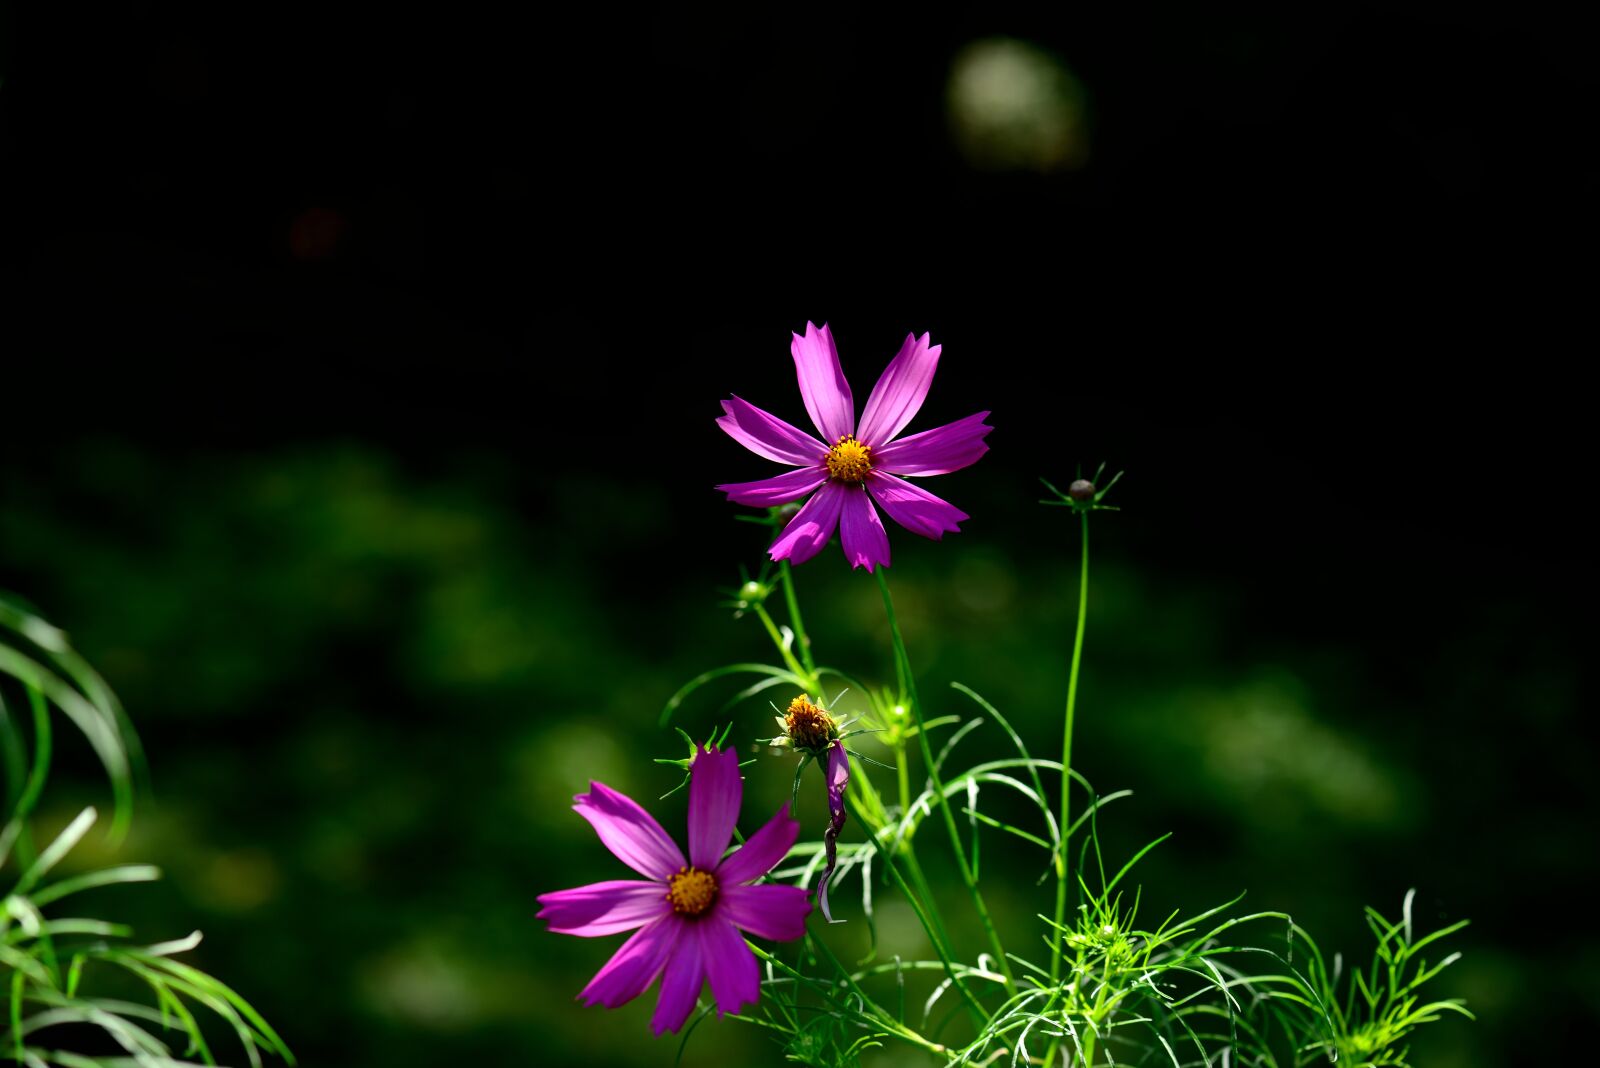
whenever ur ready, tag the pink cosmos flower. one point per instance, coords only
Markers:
(852, 466)
(688, 914)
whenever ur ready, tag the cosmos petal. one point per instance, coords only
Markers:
(914, 507)
(680, 984)
(811, 526)
(766, 910)
(635, 966)
(766, 435)
(822, 384)
(935, 452)
(603, 908)
(838, 779)
(631, 833)
(900, 391)
(715, 793)
(729, 963)
(779, 489)
(866, 543)
(761, 852)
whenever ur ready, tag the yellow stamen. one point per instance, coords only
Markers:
(809, 726)
(849, 460)
(691, 891)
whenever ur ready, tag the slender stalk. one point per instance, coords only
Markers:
(41, 753)
(793, 604)
(921, 900)
(940, 941)
(878, 1015)
(902, 774)
(43, 745)
(18, 835)
(1063, 858)
(810, 677)
(918, 879)
(962, 864)
(920, 896)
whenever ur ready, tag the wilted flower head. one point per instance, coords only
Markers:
(806, 726)
(689, 912)
(812, 729)
(854, 465)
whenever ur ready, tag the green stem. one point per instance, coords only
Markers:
(1063, 857)
(877, 1014)
(918, 879)
(936, 936)
(922, 900)
(940, 935)
(920, 896)
(17, 835)
(793, 604)
(903, 775)
(808, 678)
(962, 864)
(41, 753)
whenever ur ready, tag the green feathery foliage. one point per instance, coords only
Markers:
(1216, 987)
(53, 965)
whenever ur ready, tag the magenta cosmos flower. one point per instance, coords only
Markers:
(853, 465)
(688, 913)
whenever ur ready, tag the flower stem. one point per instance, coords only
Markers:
(878, 1015)
(793, 604)
(17, 832)
(936, 936)
(903, 845)
(41, 755)
(1063, 858)
(938, 784)
(902, 774)
(921, 899)
(809, 678)
(920, 896)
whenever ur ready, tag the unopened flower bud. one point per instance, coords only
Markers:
(1081, 490)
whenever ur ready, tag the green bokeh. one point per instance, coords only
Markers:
(369, 689)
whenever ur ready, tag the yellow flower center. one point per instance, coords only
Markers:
(849, 460)
(691, 891)
(809, 727)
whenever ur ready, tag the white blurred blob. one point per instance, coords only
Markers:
(1015, 107)
(1263, 744)
(558, 761)
(424, 985)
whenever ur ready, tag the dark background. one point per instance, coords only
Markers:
(358, 397)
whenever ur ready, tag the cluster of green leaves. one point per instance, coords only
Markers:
(64, 975)
(1365, 1017)
(1126, 989)
(1213, 987)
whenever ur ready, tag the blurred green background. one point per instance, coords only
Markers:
(369, 688)
(358, 395)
